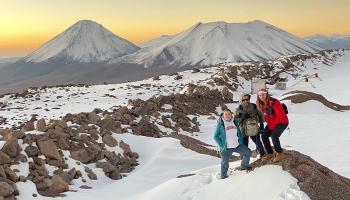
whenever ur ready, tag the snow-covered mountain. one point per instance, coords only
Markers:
(330, 42)
(6, 61)
(85, 42)
(156, 42)
(216, 42)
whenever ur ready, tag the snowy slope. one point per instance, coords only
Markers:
(204, 185)
(216, 42)
(156, 42)
(85, 41)
(330, 42)
(315, 130)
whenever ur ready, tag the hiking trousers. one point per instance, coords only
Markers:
(256, 139)
(274, 134)
(227, 154)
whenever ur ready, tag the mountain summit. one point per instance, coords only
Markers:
(85, 42)
(216, 42)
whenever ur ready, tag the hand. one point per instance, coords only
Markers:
(261, 127)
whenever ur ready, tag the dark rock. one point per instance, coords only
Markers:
(31, 151)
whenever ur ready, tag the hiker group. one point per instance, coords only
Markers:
(233, 130)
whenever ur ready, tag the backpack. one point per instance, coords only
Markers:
(250, 127)
(285, 109)
(284, 106)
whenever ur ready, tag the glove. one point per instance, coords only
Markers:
(261, 127)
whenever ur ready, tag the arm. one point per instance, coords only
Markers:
(216, 136)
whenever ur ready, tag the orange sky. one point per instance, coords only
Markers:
(26, 25)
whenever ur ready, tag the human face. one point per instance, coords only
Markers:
(245, 100)
(227, 115)
(262, 97)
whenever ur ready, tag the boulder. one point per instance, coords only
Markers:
(29, 126)
(5, 189)
(4, 158)
(49, 149)
(11, 148)
(58, 185)
(31, 151)
(109, 140)
(41, 125)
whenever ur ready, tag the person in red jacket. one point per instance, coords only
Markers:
(277, 122)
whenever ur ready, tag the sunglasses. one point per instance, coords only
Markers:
(245, 99)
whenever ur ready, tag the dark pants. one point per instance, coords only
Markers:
(256, 139)
(274, 134)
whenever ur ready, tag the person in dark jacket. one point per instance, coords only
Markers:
(277, 122)
(228, 137)
(245, 111)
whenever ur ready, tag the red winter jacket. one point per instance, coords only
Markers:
(274, 114)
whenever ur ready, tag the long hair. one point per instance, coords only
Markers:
(260, 104)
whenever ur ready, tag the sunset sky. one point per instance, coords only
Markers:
(27, 24)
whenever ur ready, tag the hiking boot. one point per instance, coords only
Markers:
(267, 157)
(223, 177)
(278, 157)
(249, 168)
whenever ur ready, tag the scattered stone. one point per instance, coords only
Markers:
(41, 125)
(49, 149)
(109, 140)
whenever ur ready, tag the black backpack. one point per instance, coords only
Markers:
(285, 109)
(284, 106)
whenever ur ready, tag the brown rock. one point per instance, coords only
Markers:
(49, 149)
(5, 189)
(29, 126)
(11, 148)
(109, 140)
(58, 184)
(317, 181)
(106, 166)
(91, 174)
(115, 175)
(85, 187)
(2, 172)
(41, 125)
(93, 117)
(11, 175)
(86, 155)
(4, 158)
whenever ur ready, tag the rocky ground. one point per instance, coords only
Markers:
(317, 181)
(87, 137)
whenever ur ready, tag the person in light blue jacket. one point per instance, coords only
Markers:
(228, 137)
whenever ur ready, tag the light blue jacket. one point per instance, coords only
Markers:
(220, 134)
